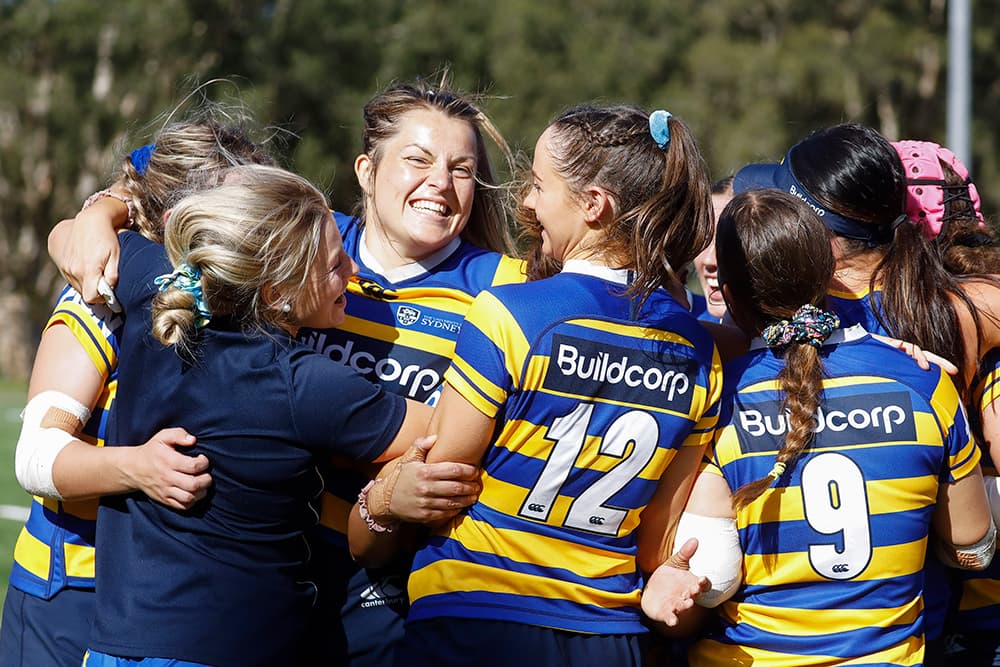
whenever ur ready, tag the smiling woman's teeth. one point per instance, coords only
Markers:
(430, 207)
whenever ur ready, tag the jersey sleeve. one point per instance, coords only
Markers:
(487, 356)
(93, 326)
(961, 453)
(337, 410)
(704, 429)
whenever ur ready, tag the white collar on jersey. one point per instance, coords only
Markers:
(407, 271)
(588, 268)
(839, 336)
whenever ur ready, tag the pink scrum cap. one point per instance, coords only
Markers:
(926, 194)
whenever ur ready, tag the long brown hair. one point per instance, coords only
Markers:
(661, 196)
(855, 172)
(774, 257)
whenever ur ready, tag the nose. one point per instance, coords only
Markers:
(710, 261)
(440, 176)
(529, 199)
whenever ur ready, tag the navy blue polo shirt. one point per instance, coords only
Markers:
(223, 583)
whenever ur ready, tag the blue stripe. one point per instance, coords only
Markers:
(844, 645)
(856, 594)
(43, 524)
(795, 536)
(475, 386)
(546, 612)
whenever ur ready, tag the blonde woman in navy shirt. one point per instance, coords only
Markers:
(207, 346)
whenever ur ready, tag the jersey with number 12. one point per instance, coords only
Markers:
(593, 397)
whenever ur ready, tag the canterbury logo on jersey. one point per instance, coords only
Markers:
(839, 421)
(374, 290)
(414, 371)
(587, 368)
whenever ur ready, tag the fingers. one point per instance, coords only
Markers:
(449, 471)
(110, 272)
(681, 558)
(175, 437)
(418, 451)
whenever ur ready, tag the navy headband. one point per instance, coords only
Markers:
(779, 176)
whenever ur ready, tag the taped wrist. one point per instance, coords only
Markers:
(49, 422)
(972, 557)
(719, 556)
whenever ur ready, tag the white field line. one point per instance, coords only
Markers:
(14, 512)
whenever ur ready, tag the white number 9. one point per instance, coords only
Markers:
(835, 502)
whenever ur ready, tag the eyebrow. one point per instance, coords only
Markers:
(461, 158)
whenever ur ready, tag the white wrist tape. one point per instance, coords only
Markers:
(993, 493)
(973, 557)
(41, 440)
(719, 556)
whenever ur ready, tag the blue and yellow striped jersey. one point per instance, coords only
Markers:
(401, 335)
(857, 308)
(592, 398)
(834, 550)
(56, 546)
(979, 592)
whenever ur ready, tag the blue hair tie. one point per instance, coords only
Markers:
(658, 127)
(140, 158)
(187, 278)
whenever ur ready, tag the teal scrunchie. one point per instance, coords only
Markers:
(809, 325)
(187, 278)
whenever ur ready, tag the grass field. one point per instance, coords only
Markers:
(11, 402)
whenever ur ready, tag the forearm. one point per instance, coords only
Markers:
(84, 471)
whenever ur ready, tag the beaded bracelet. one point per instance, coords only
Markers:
(373, 525)
(114, 195)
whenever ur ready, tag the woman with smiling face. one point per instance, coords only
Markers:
(585, 396)
(427, 237)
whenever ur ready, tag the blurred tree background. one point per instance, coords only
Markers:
(80, 81)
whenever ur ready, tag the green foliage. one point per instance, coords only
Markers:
(79, 83)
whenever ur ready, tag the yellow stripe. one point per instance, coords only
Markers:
(510, 271)
(979, 593)
(451, 300)
(401, 336)
(794, 622)
(32, 554)
(526, 547)
(971, 451)
(850, 381)
(889, 561)
(852, 296)
(79, 560)
(447, 576)
(631, 331)
(334, 512)
(708, 653)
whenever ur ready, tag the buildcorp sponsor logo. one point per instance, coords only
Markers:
(648, 377)
(843, 420)
(417, 373)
